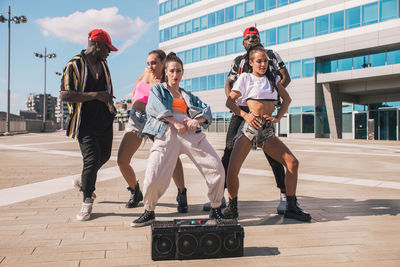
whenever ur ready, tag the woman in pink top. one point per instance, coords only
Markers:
(133, 132)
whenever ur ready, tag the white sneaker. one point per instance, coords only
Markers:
(282, 204)
(86, 210)
(77, 184)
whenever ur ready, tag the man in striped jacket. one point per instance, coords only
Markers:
(86, 86)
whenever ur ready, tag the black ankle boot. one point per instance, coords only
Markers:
(136, 197)
(231, 211)
(293, 211)
(182, 201)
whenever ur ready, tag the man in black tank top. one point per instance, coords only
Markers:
(251, 37)
(86, 85)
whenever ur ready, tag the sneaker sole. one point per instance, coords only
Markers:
(82, 219)
(133, 224)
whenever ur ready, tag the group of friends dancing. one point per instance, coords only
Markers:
(172, 118)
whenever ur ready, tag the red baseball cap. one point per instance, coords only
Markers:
(251, 29)
(99, 35)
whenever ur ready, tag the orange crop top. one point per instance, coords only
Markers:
(179, 104)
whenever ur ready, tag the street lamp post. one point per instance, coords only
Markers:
(45, 56)
(16, 20)
(61, 105)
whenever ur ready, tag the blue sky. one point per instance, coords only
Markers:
(62, 27)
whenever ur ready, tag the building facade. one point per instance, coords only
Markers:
(343, 57)
(35, 103)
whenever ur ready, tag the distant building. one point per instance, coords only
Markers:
(123, 107)
(29, 115)
(343, 58)
(35, 103)
(61, 111)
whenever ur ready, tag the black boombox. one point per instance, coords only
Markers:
(196, 239)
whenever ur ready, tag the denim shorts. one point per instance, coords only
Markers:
(136, 121)
(257, 136)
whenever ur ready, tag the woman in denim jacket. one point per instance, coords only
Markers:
(173, 120)
(133, 132)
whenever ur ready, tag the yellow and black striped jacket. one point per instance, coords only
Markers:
(74, 78)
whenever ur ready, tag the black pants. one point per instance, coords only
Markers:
(277, 168)
(96, 150)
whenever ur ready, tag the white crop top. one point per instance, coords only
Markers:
(252, 87)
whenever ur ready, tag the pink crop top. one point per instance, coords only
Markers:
(142, 92)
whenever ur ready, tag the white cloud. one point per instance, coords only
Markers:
(75, 27)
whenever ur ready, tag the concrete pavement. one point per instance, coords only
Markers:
(351, 188)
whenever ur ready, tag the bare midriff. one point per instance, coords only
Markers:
(261, 107)
(137, 105)
(177, 111)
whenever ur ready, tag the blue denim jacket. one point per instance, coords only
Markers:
(159, 106)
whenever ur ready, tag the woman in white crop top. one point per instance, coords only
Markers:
(260, 89)
(133, 133)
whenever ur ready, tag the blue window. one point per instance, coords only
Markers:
(294, 1)
(249, 8)
(188, 2)
(181, 3)
(370, 13)
(239, 11)
(211, 51)
(271, 4)
(203, 22)
(294, 110)
(387, 10)
(353, 16)
(188, 85)
(167, 6)
(393, 57)
(220, 17)
(327, 66)
(337, 21)
(295, 31)
(308, 109)
(360, 62)
(211, 20)
(181, 55)
(283, 34)
(271, 37)
(174, 32)
(295, 69)
(188, 56)
(167, 34)
(188, 27)
(195, 25)
(221, 49)
(162, 9)
(229, 14)
(161, 36)
(195, 54)
(203, 83)
(322, 24)
(239, 45)
(377, 59)
(211, 82)
(282, 3)
(174, 4)
(263, 38)
(203, 53)
(259, 6)
(220, 80)
(195, 84)
(307, 67)
(308, 28)
(230, 46)
(181, 29)
(345, 64)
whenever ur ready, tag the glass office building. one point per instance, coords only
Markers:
(343, 58)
